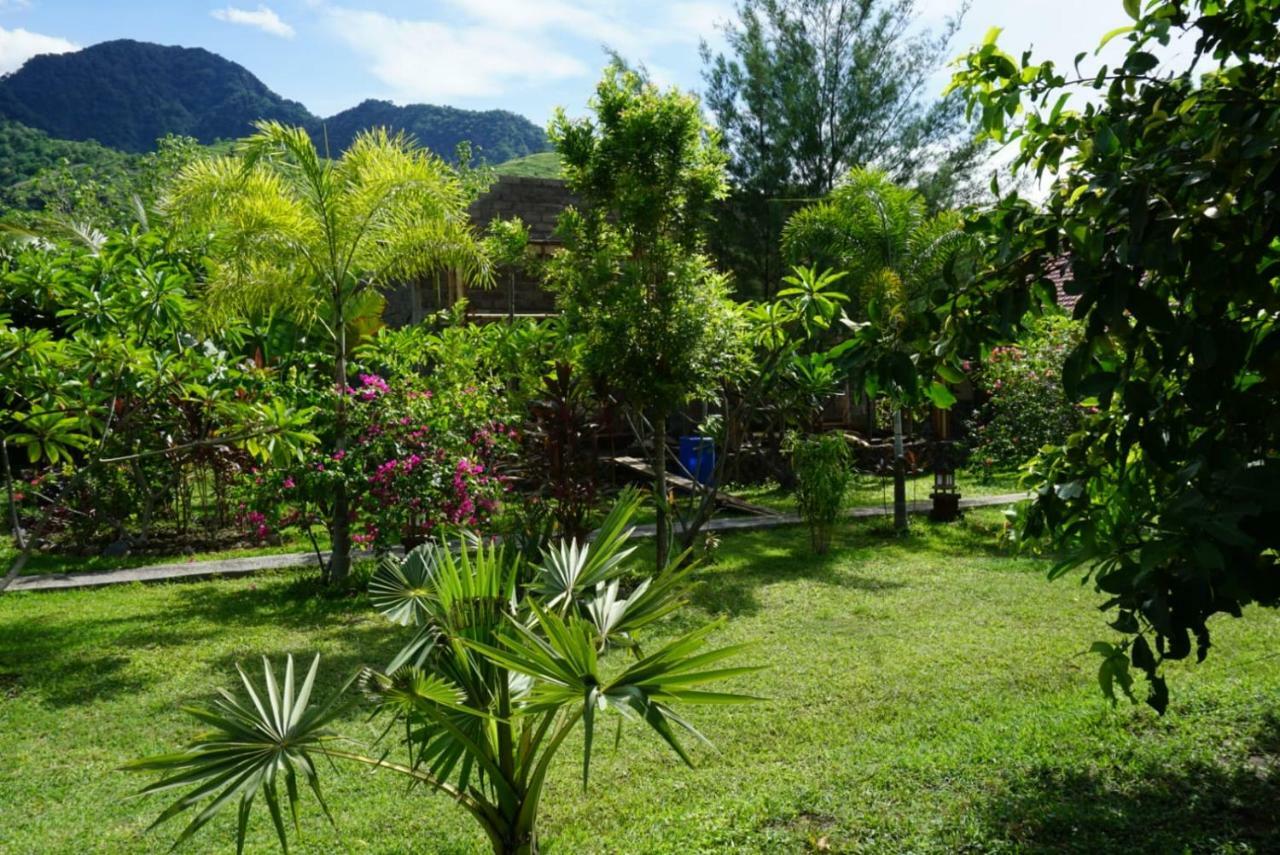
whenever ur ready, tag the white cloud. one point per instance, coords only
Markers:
(263, 18)
(433, 61)
(19, 45)
(486, 48)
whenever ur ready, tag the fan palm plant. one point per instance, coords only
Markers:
(504, 661)
(896, 257)
(288, 228)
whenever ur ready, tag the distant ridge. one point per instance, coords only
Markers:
(126, 94)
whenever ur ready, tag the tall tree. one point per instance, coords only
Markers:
(897, 258)
(634, 281)
(1167, 201)
(289, 228)
(810, 89)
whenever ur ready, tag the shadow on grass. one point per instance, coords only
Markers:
(776, 556)
(71, 659)
(1232, 805)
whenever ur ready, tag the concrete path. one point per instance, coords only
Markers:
(189, 570)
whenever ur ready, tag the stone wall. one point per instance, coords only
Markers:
(536, 201)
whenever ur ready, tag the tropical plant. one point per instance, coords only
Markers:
(822, 470)
(291, 229)
(1025, 407)
(1164, 197)
(656, 323)
(495, 676)
(899, 259)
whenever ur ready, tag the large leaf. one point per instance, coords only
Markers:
(400, 588)
(253, 747)
(569, 569)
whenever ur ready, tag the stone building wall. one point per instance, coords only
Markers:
(536, 201)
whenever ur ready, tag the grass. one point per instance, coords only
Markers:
(544, 164)
(869, 491)
(925, 695)
(54, 562)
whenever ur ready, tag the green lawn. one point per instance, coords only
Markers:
(927, 695)
(43, 562)
(868, 491)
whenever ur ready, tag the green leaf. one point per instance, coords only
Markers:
(941, 396)
(1118, 31)
(1133, 8)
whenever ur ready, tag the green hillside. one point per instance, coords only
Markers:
(544, 164)
(127, 94)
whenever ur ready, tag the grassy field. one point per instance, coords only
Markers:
(869, 491)
(926, 695)
(44, 562)
(544, 164)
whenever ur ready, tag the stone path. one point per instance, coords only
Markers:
(243, 566)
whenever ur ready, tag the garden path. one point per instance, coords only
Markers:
(243, 566)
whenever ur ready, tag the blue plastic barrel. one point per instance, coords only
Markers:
(698, 457)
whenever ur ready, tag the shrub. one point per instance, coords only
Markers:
(504, 659)
(420, 465)
(822, 475)
(1025, 406)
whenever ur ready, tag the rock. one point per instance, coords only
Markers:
(119, 549)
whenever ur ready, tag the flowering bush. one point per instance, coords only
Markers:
(419, 465)
(1025, 406)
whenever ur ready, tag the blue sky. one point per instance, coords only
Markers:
(522, 55)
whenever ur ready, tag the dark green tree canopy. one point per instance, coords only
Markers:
(1166, 201)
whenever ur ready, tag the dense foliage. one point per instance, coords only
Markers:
(127, 94)
(1166, 199)
(1025, 407)
(26, 152)
(822, 475)
(288, 230)
(656, 323)
(124, 420)
(899, 261)
(495, 135)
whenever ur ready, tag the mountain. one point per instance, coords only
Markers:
(25, 152)
(495, 135)
(127, 94)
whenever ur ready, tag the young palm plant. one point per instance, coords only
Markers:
(288, 228)
(505, 659)
(896, 256)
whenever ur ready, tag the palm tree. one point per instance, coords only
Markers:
(503, 663)
(288, 228)
(895, 254)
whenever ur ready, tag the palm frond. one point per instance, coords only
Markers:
(253, 747)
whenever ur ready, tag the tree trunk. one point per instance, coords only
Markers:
(340, 522)
(663, 539)
(899, 475)
(19, 537)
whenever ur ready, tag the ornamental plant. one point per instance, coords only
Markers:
(420, 466)
(504, 659)
(822, 472)
(289, 229)
(1026, 407)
